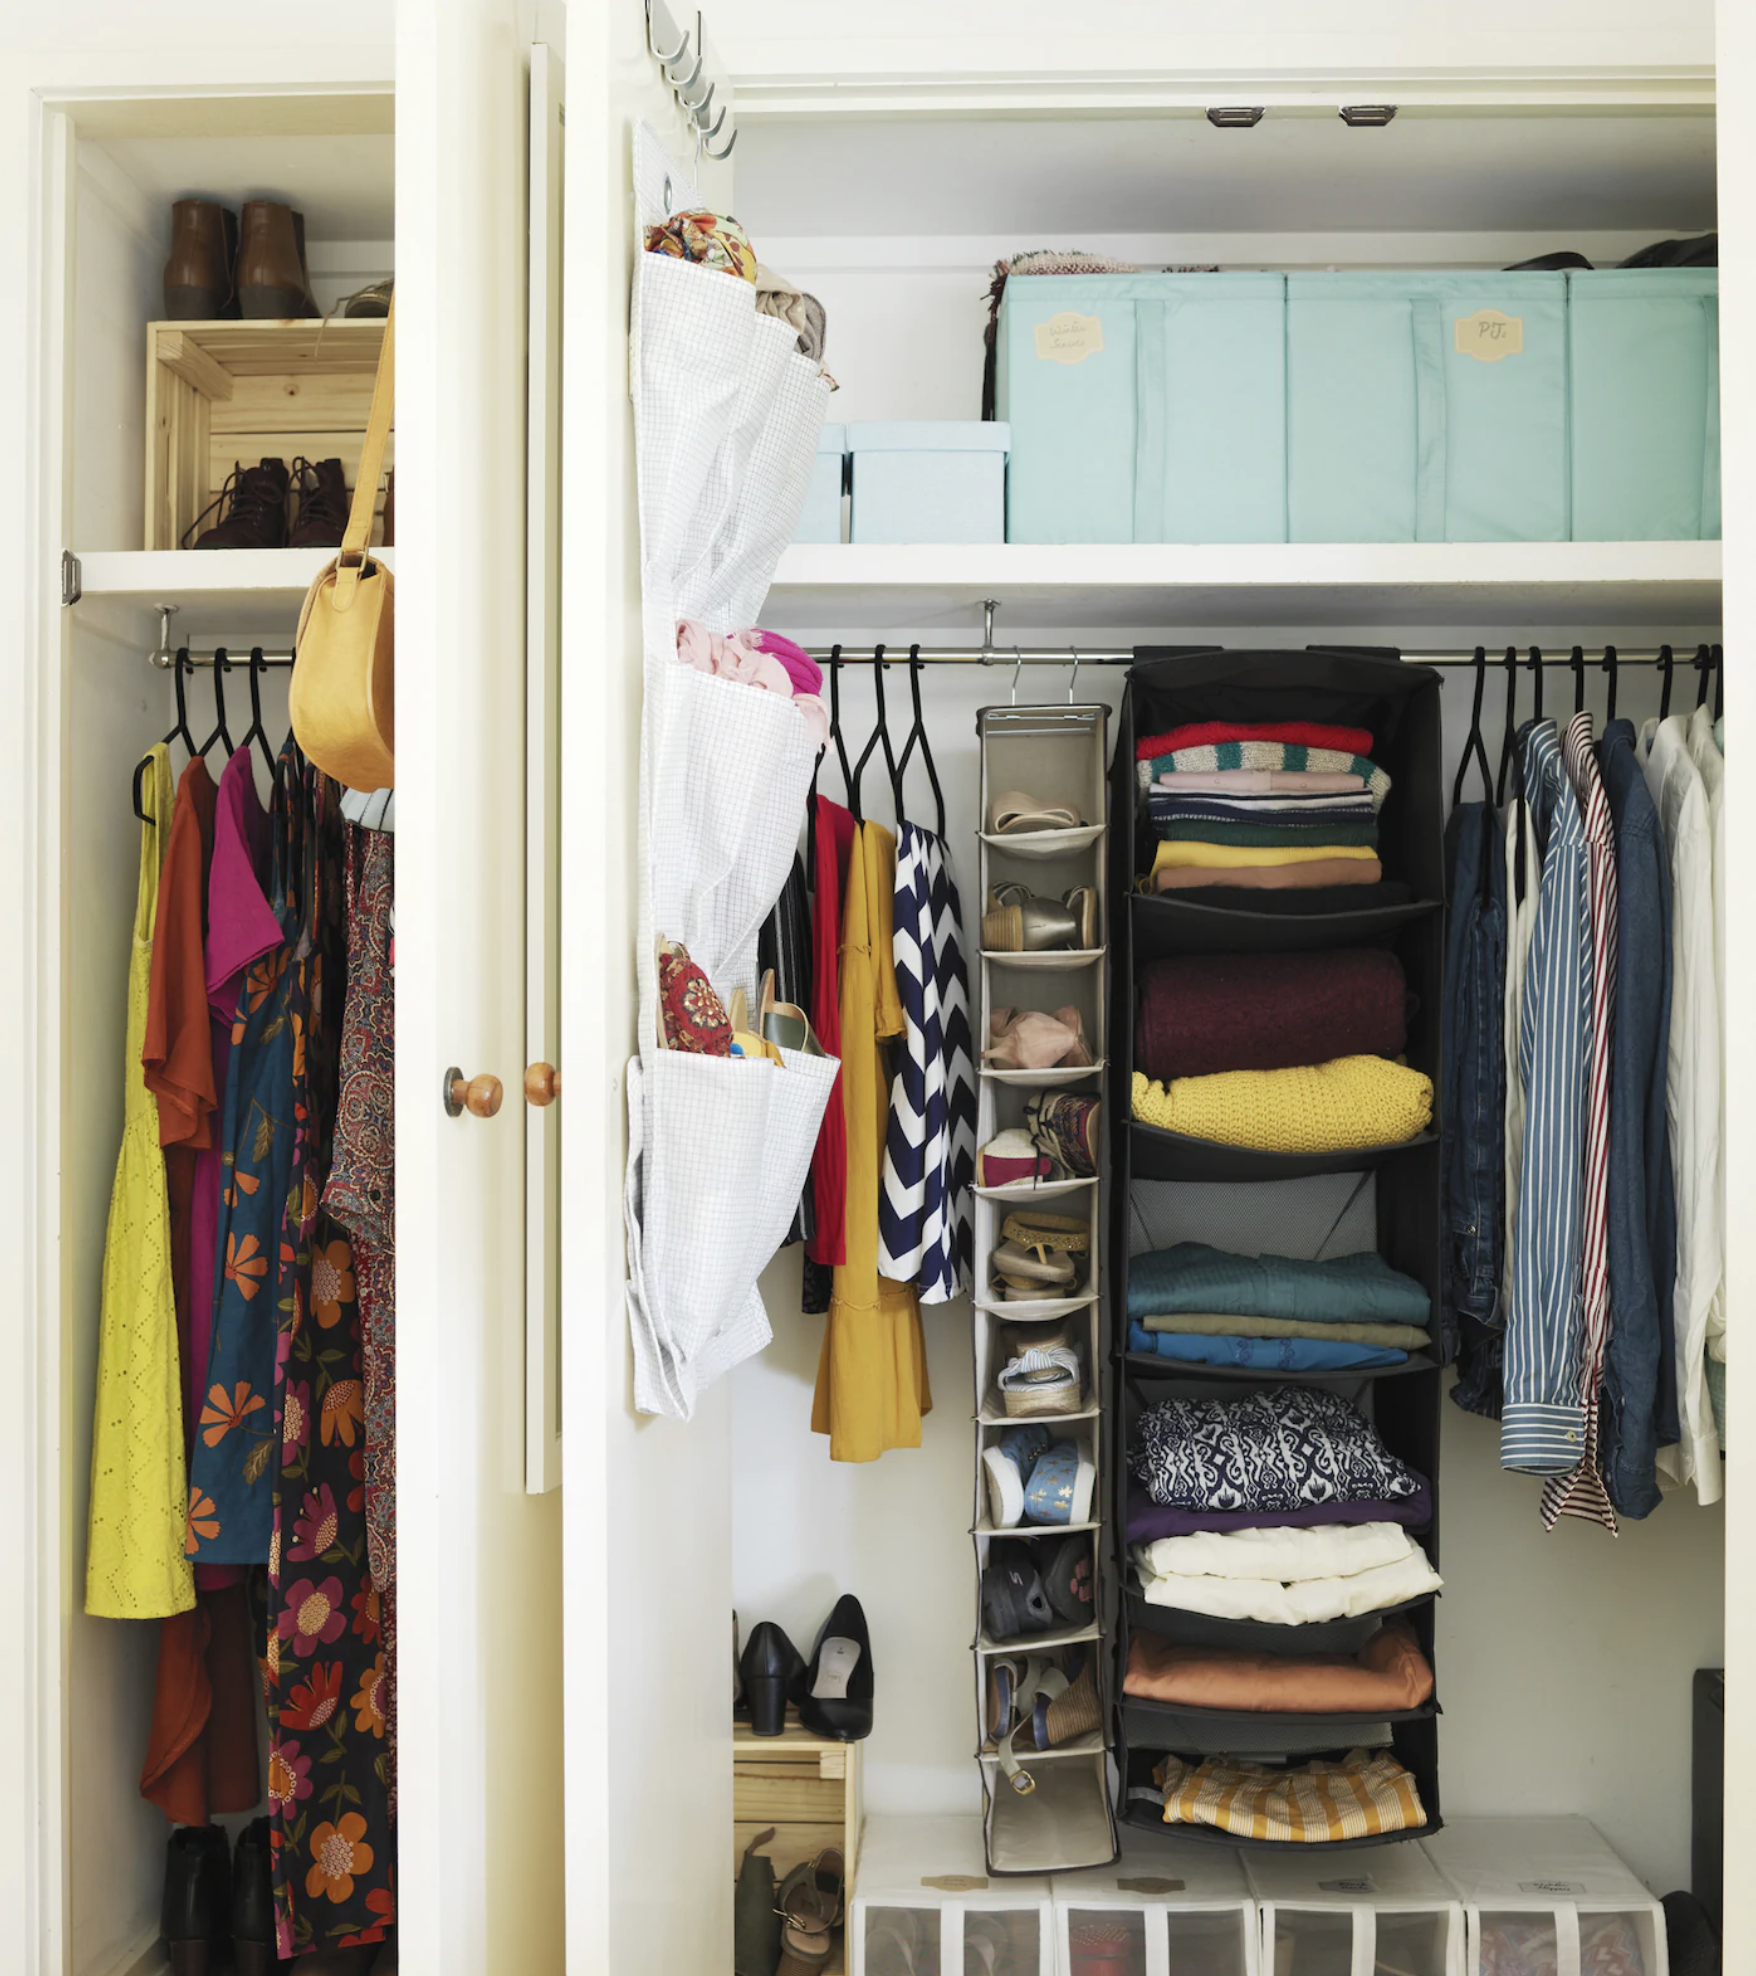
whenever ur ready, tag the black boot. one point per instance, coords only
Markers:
(253, 1902)
(772, 1668)
(198, 1899)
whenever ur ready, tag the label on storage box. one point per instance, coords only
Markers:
(1355, 1883)
(954, 1883)
(1488, 336)
(1551, 1886)
(1151, 1885)
(1069, 338)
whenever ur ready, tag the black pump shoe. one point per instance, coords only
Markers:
(771, 1667)
(838, 1684)
(196, 1914)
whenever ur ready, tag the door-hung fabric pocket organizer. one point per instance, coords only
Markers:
(726, 419)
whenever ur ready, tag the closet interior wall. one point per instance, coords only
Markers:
(1549, 1643)
(113, 705)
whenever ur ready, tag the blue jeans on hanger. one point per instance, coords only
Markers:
(1472, 1124)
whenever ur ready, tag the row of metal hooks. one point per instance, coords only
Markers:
(685, 67)
(255, 735)
(1708, 665)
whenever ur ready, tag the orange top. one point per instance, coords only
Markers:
(177, 1058)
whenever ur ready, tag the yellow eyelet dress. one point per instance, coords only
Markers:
(135, 1565)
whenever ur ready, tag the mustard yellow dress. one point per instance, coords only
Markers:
(872, 1386)
(135, 1566)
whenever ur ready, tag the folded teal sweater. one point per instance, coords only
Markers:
(1360, 1289)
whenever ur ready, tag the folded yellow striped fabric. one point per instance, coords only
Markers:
(1220, 856)
(1333, 1107)
(1364, 1794)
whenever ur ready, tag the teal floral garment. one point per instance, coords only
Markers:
(248, 944)
(329, 1766)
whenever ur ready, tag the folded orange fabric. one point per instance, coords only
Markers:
(1315, 871)
(1390, 1673)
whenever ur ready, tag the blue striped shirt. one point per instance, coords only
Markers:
(1542, 1430)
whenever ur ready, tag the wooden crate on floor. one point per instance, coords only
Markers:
(221, 393)
(807, 1787)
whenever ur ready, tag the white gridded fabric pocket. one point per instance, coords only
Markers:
(726, 1147)
(730, 769)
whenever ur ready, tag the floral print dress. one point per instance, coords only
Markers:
(329, 1770)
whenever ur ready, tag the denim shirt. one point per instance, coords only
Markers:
(1472, 1118)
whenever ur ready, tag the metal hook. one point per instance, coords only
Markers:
(681, 82)
(1611, 668)
(989, 606)
(1074, 680)
(698, 110)
(718, 124)
(1017, 668)
(658, 53)
(726, 153)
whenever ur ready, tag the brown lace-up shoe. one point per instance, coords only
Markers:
(198, 275)
(321, 519)
(273, 280)
(253, 510)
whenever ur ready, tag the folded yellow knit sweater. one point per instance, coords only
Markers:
(1219, 856)
(1317, 1108)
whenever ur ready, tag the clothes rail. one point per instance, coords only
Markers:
(164, 654)
(1683, 655)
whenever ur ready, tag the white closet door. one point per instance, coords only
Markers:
(479, 1559)
(648, 1533)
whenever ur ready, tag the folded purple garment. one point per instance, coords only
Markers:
(803, 670)
(1148, 1521)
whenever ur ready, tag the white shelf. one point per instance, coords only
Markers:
(211, 586)
(882, 589)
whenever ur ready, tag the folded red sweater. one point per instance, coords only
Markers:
(1301, 733)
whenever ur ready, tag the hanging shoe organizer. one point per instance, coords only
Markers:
(1170, 1188)
(1042, 1695)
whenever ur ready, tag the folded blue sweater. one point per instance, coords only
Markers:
(1359, 1289)
(1263, 1354)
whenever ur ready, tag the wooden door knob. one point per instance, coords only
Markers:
(480, 1096)
(542, 1084)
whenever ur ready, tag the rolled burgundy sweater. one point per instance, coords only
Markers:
(1201, 1014)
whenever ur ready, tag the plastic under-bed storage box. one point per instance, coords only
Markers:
(1644, 357)
(1357, 1915)
(1167, 1911)
(1549, 1893)
(924, 1904)
(820, 518)
(928, 480)
(1144, 407)
(1427, 408)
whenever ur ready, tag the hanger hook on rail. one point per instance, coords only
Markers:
(1073, 677)
(1017, 668)
(1612, 666)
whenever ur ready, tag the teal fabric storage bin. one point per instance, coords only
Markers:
(1144, 408)
(928, 480)
(1645, 354)
(820, 518)
(1427, 408)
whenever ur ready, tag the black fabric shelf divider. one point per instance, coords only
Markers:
(1162, 1155)
(1146, 1365)
(1165, 926)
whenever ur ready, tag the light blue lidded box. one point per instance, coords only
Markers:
(820, 518)
(1427, 407)
(1645, 376)
(929, 480)
(1144, 407)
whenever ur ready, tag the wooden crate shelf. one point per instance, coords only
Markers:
(218, 393)
(807, 1787)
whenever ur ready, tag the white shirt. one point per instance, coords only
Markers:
(1520, 924)
(1692, 1095)
(1704, 753)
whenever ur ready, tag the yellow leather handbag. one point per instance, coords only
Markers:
(343, 692)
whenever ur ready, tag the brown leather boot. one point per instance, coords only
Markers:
(204, 248)
(272, 278)
(253, 510)
(322, 517)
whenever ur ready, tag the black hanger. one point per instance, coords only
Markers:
(1703, 667)
(916, 665)
(1507, 750)
(1473, 744)
(180, 668)
(256, 731)
(1719, 682)
(879, 733)
(221, 666)
(1536, 681)
(1577, 662)
(1612, 665)
(1667, 659)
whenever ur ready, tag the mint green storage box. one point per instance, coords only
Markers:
(1645, 352)
(820, 517)
(1427, 408)
(1144, 407)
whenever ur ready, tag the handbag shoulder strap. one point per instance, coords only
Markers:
(359, 529)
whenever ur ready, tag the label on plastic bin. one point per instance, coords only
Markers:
(1551, 1886)
(954, 1883)
(1151, 1885)
(1488, 336)
(1355, 1883)
(1069, 338)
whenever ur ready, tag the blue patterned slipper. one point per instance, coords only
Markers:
(1014, 1456)
(1060, 1486)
